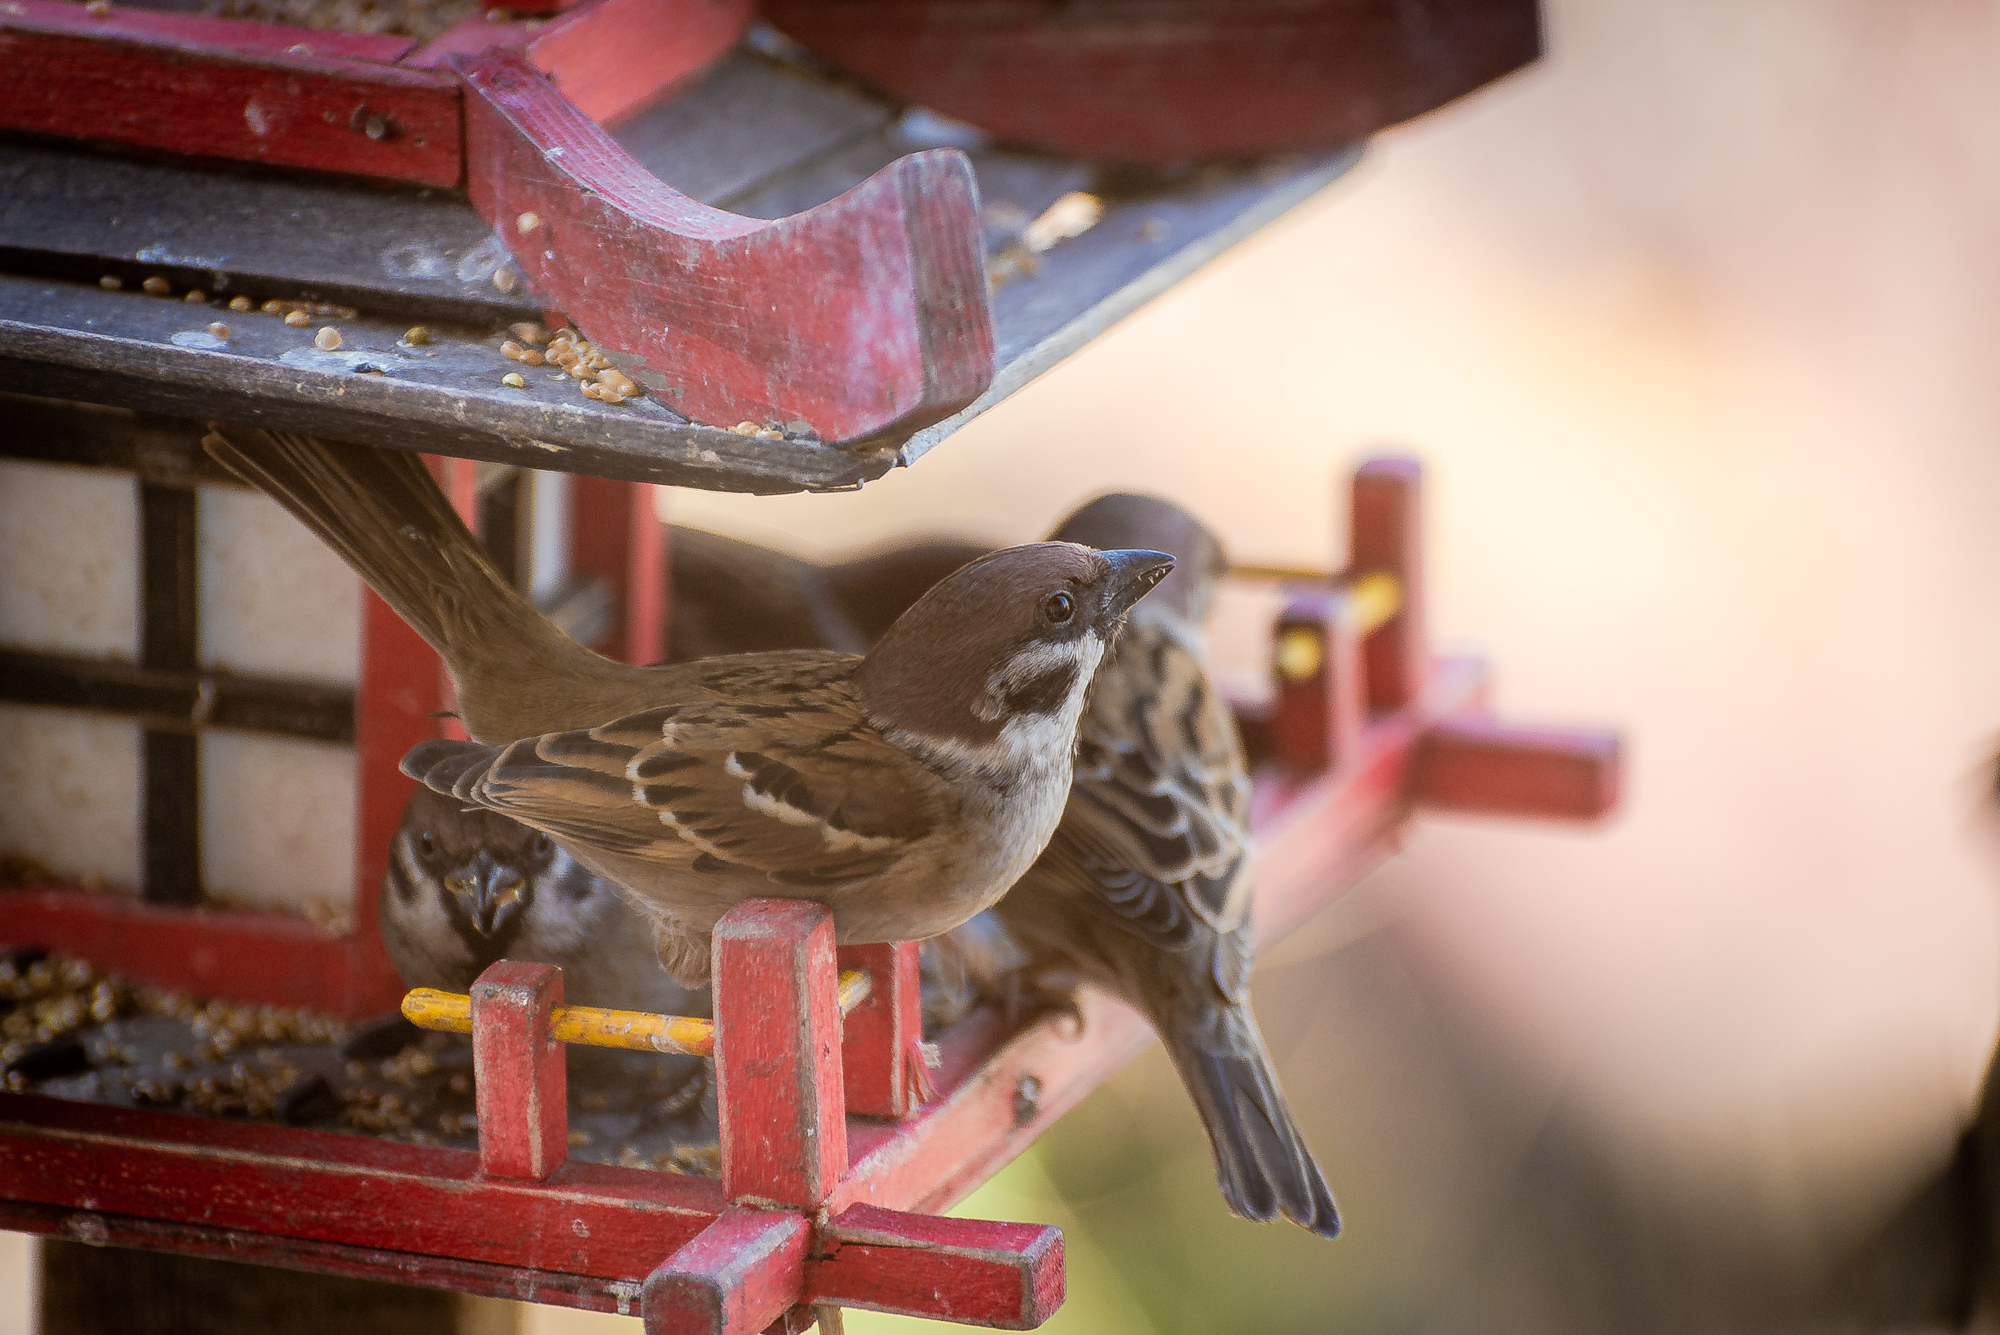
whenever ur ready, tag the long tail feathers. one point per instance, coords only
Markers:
(1261, 1161)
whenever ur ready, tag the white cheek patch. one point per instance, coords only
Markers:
(1078, 658)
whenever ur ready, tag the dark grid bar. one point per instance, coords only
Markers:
(171, 774)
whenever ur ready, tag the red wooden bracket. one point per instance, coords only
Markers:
(1322, 691)
(865, 317)
(1470, 764)
(517, 1064)
(777, 1054)
(226, 88)
(1003, 1276)
(882, 1039)
(736, 1277)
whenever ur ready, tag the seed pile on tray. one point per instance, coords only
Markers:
(421, 19)
(573, 356)
(70, 1031)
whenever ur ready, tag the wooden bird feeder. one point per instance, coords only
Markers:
(815, 281)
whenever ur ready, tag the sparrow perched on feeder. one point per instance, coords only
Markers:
(466, 888)
(906, 789)
(1145, 887)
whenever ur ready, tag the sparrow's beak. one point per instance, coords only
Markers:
(490, 892)
(1132, 576)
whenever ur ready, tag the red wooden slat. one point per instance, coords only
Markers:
(518, 1068)
(274, 959)
(1319, 713)
(1386, 534)
(1170, 80)
(195, 32)
(1003, 1276)
(1478, 765)
(645, 576)
(777, 1053)
(737, 1277)
(588, 1219)
(865, 317)
(879, 1060)
(167, 90)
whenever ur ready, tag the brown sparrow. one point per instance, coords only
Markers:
(1145, 888)
(906, 789)
(466, 887)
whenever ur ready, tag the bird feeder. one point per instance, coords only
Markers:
(813, 281)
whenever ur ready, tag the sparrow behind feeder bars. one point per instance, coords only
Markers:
(466, 887)
(906, 789)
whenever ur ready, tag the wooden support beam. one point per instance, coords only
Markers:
(1477, 765)
(1322, 691)
(522, 1089)
(1385, 534)
(1001, 1276)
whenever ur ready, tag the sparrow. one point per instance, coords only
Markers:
(466, 887)
(728, 596)
(1145, 887)
(905, 789)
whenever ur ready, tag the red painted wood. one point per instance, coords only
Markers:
(777, 1053)
(1386, 534)
(1002, 1276)
(401, 687)
(1478, 765)
(736, 1277)
(864, 317)
(880, 1061)
(539, 8)
(645, 576)
(1319, 715)
(615, 57)
(1171, 80)
(600, 547)
(195, 32)
(274, 959)
(225, 89)
(586, 1220)
(522, 1089)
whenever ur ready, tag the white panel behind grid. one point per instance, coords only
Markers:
(277, 824)
(69, 560)
(275, 600)
(69, 794)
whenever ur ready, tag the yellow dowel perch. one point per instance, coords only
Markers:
(451, 1012)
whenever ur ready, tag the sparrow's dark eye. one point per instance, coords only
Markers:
(542, 849)
(426, 846)
(1058, 608)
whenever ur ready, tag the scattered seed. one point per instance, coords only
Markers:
(297, 319)
(531, 357)
(529, 332)
(765, 433)
(156, 286)
(97, 9)
(590, 391)
(513, 380)
(196, 297)
(417, 336)
(511, 350)
(241, 304)
(503, 278)
(274, 307)
(746, 428)
(111, 282)
(218, 330)
(528, 222)
(327, 339)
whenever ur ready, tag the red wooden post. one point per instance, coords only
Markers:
(1321, 691)
(645, 576)
(517, 1065)
(1476, 765)
(401, 687)
(1386, 535)
(735, 1277)
(777, 1054)
(881, 1043)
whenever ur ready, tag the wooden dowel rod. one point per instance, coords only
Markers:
(600, 1027)
(1377, 595)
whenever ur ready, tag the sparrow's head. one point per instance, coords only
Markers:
(1003, 650)
(1122, 519)
(464, 883)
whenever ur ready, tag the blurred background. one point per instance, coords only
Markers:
(1695, 327)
